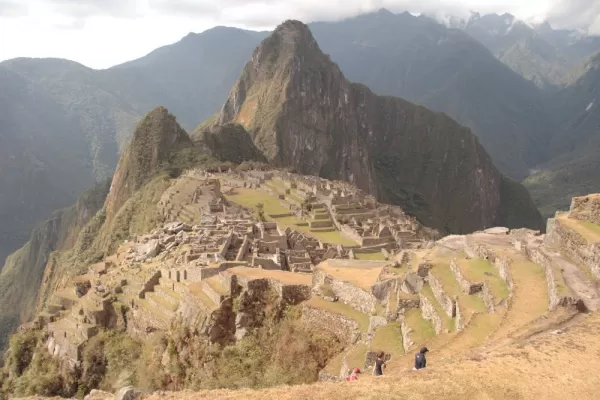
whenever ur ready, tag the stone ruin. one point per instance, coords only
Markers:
(189, 271)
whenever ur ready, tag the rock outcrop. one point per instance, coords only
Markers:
(229, 142)
(302, 113)
(156, 143)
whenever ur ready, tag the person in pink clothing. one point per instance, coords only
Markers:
(354, 375)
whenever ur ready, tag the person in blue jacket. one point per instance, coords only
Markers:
(420, 360)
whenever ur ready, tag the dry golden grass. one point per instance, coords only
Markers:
(546, 366)
(288, 278)
(196, 290)
(587, 230)
(530, 295)
(360, 273)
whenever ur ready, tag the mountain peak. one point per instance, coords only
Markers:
(293, 32)
(157, 139)
(301, 112)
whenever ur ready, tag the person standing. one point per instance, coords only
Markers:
(420, 360)
(379, 366)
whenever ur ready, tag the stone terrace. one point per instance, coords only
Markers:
(373, 278)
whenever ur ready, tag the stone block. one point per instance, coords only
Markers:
(423, 269)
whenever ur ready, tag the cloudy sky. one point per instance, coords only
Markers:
(102, 33)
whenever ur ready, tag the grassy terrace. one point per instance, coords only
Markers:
(389, 339)
(589, 231)
(530, 297)
(341, 309)
(447, 322)
(197, 291)
(370, 256)
(284, 277)
(360, 274)
(479, 270)
(422, 330)
(468, 304)
(355, 357)
(251, 197)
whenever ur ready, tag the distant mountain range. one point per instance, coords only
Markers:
(537, 52)
(63, 125)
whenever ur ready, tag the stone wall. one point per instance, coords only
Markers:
(406, 331)
(344, 328)
(142, 321)
(225, 246)
(459, 323)
(488, 298)
(293, 294)
(501, 262)
(375, 241)
(448, 304)
(574, 246)
(382, 289)
(586, 208)
(430, 314)
(347, 293)
(243, 252)
(192, 311)
(465, 285)
(321, 224)
(411, 283)
(555, 299)
(350, 233)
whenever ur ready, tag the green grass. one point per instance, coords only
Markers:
(591, 227)
(251, 197)
(356, 357)
(479, 270)
(341, 309)
(468, 303)
(370, 256)
(389, 339)
(422, 330)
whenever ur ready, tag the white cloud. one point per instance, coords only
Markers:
(582, 14)
(101, 33)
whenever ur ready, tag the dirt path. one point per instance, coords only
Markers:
(577, 281)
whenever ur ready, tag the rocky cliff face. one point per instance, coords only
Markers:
(301, 112)
(229, 142)
(22, 274)
(156, 143)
